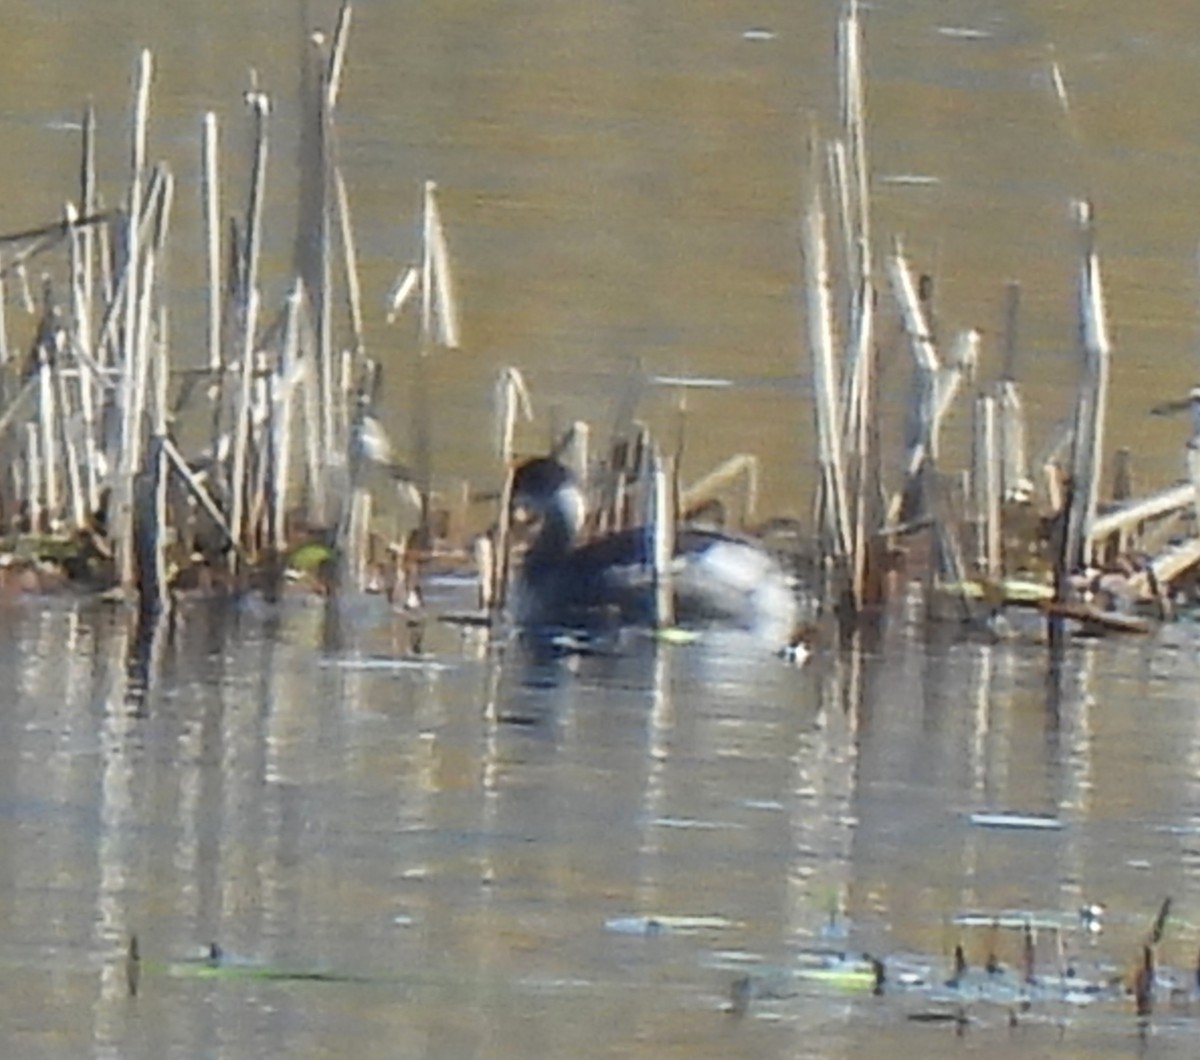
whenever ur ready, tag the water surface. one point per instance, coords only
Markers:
(468, 846)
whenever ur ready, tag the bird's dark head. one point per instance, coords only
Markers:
(544, 487)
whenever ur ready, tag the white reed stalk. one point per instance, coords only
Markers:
(661, 524)
(281, 420)
(33, 458)
(81, 313)
(241, 438)
(427, 279)
(913, 315)
(402, 290)
(85, 320)
(349, 261)
(986, 483)
(5, 355)
(825, 387)
(1095, 352)
(484, 553)
(337, 56)
(72, 432)
(439, 273)
(852, 101)
(197, 490)
(132, 394)
(210, 201)
(48, 437)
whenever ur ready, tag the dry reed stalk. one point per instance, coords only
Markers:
(439, 275)
(835, 515)
(85, 319)
(250, 308)
(198, 491)
(743, 468)
(5, 353)
(33, 466)
(81, 340)
(210, 204)
(349, 262)
(132, 359)
(661, 528)
(402, 290)
(287, 373)
(512, 404)
(986, 488)
(1091, 404)
(497, 595)
(337, 55)
(484, 554)
(69, 440)
(309, 376)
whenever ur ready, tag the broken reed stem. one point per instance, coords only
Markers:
(198, 491)
(513, 403)
(743, 467)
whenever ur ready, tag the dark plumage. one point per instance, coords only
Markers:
(718, 578)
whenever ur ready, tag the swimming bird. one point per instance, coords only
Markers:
(718, 579)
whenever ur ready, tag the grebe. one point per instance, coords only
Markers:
(718, 579)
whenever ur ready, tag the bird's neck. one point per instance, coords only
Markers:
(561, 522)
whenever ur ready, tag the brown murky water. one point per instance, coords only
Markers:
(466, 846)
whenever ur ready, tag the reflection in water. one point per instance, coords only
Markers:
(582, 864)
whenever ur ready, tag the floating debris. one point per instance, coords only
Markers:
(676, 635)
(759, 34)
(694, 823)
(215, 963)
(1016, 920)
(369, 663)
(1031, 822)
(912, 180)
(656, 925)
(957, 1016)
(963, 33)
(695, 382)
